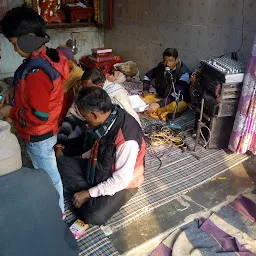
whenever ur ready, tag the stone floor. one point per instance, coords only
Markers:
(143, 236)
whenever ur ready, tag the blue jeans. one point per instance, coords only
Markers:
(43, 157)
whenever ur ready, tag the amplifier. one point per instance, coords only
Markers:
(220, 90)
(225, 69)
(220, 127)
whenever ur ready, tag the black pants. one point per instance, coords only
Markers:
(96, 210)
(74, 147)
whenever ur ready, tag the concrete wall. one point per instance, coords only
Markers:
(200, 29)
(14, 3)
(87, 38)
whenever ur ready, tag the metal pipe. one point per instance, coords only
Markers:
(199, 124)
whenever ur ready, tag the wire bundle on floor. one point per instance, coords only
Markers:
(158, 135)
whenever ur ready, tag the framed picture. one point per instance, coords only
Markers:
(54, 11)
(105, 13)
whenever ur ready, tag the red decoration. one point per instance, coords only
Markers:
(50, 10)
(105, 67)
(76, 13)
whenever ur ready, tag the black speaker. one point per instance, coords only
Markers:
(220, 127)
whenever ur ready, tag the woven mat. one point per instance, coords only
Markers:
(94, 242)
(179, 173)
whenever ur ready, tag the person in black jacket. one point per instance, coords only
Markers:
(111, 168)
(30, 217)
(170, 77)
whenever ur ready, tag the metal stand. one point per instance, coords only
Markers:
(176, 106)
(172, 124)
(200, 124)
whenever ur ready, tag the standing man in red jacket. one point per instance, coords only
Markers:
(37, 89)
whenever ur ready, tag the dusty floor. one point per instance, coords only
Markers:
(144, 235)
(141, 237)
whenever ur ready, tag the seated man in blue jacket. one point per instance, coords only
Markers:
(170, 76)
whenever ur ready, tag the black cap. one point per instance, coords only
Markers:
(30, 43)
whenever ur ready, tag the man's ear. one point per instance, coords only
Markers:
(95, 115)
(177, 60)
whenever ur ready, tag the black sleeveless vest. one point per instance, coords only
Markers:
(163, 85)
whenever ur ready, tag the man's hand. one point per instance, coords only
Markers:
(80, 198)
(8, 96)
(5, 111)
(153, 107)
(59, 152)
(86, 155)
(8, 120)
(145, 93)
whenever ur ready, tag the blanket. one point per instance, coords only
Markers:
(230, 231)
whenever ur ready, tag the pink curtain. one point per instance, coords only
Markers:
(243, 137)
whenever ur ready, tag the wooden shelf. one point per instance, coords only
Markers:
(67, 25)
(70, 25)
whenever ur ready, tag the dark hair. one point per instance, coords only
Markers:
(171, 52)
(53, 54)
(95, 75)
(21, 21)
(93, 99)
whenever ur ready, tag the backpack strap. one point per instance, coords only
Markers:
(39, 63)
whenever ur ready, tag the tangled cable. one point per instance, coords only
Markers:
(157, 135)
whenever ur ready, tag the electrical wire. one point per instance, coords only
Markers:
(154, 153)
(185, 131)
(206, 142)
(242, 27)
(210, 135)
(164, 136)
(157, 135)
